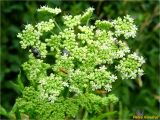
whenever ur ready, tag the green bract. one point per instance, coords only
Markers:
(84, 59)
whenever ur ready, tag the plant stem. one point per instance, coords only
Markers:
(57, 26)
(87, 22)
(85, 115)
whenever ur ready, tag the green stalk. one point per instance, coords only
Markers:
(57, 26)
(85, 115)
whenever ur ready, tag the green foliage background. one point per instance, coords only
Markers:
(136, 95)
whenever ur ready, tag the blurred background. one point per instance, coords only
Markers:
(136, 96)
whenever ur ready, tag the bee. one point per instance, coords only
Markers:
(36, 53)
(63, 70)
(100, 91)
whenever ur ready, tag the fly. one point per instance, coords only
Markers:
(36, 53)
(65, 52)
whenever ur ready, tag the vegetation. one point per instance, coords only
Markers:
(141, 94)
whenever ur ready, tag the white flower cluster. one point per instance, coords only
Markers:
(31, 35)
(50, 90)
(82, 53)
(35, 68)
(86, 35)
(71, 21)
(124, 49)
(87, 14)
(104, 24)
(102, 79)
(125, 27)
(28, 36)
(140, 59)
(129, 67)
(54, 11)
(45, 26)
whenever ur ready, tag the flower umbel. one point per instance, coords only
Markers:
(75, 62)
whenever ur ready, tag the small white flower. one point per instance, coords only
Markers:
(141, 60)
(52, 98)
(134, 56)
(42, 82)
(120, 54)
(108, 87)
(113, 78)
(74, 89)
(95, 86)
(55, 92)
(133, 74)
(140, 72)
(104, 46)
(65, 84)
(103, 68)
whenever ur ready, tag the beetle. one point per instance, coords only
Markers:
(100, 91)
(63, 70)
(36, 53)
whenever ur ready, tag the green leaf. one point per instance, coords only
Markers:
(3, 111)
(14, 86)
(20, 81)
(105, 115)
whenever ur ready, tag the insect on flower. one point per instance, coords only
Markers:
(100, 91)
(36, 53)
(65, 52)
(63, 70)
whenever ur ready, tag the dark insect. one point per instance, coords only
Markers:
(36, 53)
(65, 52)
